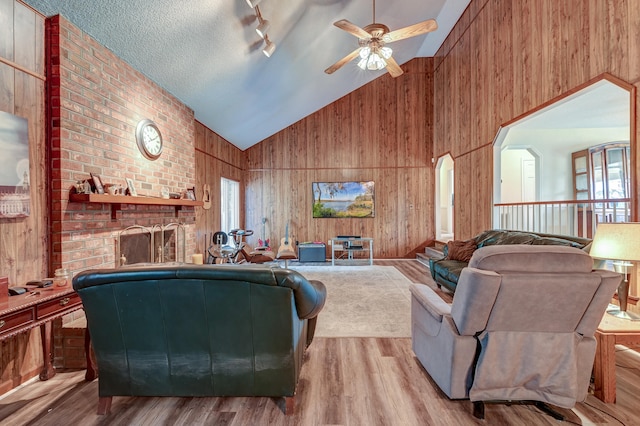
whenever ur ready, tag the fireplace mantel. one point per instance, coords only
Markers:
(117, 200)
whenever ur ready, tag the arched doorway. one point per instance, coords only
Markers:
(444, 198)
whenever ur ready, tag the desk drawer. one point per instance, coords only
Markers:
(54, 306)
(17, 319)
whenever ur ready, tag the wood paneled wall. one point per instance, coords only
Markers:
(504, 58)
(381, 132)
(24, 241)
(215, 158)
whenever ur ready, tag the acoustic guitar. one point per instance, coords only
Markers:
(206, 197)
(285, 249)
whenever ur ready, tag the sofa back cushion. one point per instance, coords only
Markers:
(534, 259)
(500, 236)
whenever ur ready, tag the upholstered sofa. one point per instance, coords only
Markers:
(446, 270)
(199, 330)
(521, 326)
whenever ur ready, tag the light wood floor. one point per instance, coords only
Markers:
(344, 381)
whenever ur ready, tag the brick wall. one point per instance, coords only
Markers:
(95, 100)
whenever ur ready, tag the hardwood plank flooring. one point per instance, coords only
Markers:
(344, 381)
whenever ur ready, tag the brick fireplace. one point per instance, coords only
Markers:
(95, 102)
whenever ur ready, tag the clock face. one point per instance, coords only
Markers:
(149, 139)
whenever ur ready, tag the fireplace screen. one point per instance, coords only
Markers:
(156, 244)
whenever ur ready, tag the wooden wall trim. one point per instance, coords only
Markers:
(215, 157)
(604, 76)
(23, 69)
(471, 151)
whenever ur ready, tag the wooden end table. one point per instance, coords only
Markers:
(610, 332)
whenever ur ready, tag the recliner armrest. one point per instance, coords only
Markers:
(430, 300)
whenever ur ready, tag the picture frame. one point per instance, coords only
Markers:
(352, 199)
(191, 194)
(131, 187)
(97, 184)
(15, 187)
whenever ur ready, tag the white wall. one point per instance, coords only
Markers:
(554, 147)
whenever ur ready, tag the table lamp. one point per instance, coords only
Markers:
(619, 242)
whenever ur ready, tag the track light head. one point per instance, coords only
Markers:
(263, 27)
(253, 3)
(269, 48)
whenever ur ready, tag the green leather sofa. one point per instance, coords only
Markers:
(446, 271)
(199, 330)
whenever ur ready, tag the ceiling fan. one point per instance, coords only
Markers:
(373, 52)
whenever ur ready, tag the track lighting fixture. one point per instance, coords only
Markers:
(269, 47)
(262, 28)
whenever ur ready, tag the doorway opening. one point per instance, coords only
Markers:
(444, 202)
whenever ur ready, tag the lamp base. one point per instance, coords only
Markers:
(631, 316)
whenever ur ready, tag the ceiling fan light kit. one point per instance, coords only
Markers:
(374, 59)
(262, 28)
(372, 53)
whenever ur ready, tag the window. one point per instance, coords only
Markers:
(230, 204)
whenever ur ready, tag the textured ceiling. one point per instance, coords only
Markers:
(208, 55)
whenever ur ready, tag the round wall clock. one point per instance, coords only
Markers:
(149, 139)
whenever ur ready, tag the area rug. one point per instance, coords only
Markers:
(362, 301)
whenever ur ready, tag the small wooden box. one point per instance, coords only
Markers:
(4, 289)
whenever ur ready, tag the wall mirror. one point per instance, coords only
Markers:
(559, 167)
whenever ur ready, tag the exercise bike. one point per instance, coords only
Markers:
(236, 254)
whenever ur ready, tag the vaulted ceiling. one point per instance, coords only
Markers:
(208, 54)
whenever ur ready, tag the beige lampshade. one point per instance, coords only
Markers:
(617, 241)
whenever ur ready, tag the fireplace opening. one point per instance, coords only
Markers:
(157, 244)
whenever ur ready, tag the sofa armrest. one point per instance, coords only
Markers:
(310, 295)
(430, 300)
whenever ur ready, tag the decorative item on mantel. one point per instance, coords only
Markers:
(190, 194)
(114, 189)
(82, 187)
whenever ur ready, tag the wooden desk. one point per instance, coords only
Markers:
(610, 332)
(25, 312)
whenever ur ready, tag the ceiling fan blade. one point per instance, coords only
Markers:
(347, 26)
(393, 67)
(351, 56)
(411, 31)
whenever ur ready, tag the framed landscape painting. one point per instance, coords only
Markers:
(343, 199)
(15, 190)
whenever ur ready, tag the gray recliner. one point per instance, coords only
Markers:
(520, 328)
